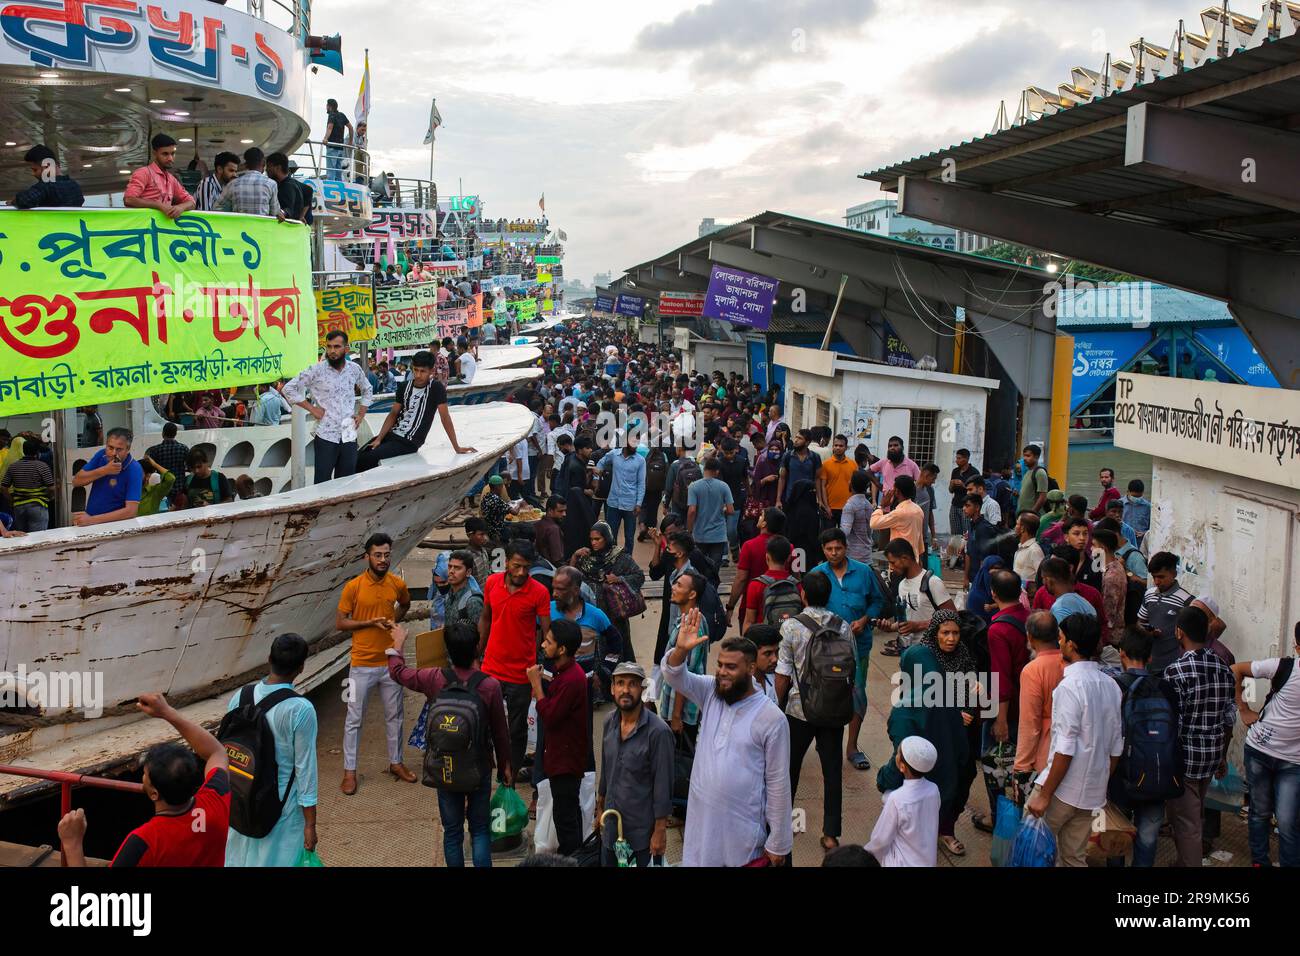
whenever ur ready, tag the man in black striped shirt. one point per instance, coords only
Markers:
(224, 168)
(30, 485)
(408, 423)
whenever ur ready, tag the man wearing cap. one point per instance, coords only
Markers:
(907, 831)
(636, 777)
(154, 186)
(53, 189)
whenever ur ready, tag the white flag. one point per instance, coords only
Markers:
(435, 120)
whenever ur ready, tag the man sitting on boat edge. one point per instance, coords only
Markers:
(407, 425)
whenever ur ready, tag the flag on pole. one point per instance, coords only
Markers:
(362, 113)
(435, 120)
(542, 202)
(564, 236)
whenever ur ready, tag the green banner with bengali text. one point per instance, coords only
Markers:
(103, 305)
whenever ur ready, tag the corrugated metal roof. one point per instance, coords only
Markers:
(1075, 158)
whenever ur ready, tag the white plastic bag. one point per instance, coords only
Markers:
(531, 746)
(545, 839)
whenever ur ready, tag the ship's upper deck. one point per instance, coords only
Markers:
(95, 79)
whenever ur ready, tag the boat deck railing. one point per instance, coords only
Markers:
(291, 16)
(338, 161)
(66, 782)
(403, 191)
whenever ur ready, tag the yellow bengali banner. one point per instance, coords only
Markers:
(102, 305)
(346, 308)
(543, 277)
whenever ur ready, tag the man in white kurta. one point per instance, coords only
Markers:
(739, 804)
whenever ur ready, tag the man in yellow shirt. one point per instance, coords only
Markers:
(372, 604)
(901, 515)
(833, 479)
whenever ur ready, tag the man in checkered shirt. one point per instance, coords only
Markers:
(252, 193)
(1207, 709)
(171, 454)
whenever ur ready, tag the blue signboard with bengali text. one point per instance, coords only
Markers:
(1232, 347)
(632, 306)
(739, 297)
(1098, 356)
(604, 303)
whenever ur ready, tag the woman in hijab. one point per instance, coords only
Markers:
(942, 725)
(960, 668)
(803, 521)
(767, 472)
(606, 563)
(979, 600)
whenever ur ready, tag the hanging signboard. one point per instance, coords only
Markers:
(452, 322)
(406, 315)
(346, 308)
(681, 303)
(104, 305)
(1236, 429)
(632, 306)
(1098, 356)
(475, 318)
(604, 303)
(547, 260)
(739, 297)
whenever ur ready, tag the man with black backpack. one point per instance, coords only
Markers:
(815, 670)
(774, 595)
(466, 735)
(273, 811)
(1150, 769)
(858, 597)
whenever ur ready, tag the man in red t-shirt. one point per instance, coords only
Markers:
(191, 804)
(1058, 579)
(753, 559)
(777, 556)
(515, 610)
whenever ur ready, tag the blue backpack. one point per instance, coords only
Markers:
(1151, 767)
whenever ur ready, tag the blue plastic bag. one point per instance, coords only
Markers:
(1004, 832)
(1035, 844)
(934, 564)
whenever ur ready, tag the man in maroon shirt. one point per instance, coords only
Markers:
(562, 710)
(457, 808)
(752, 562)
(191, 802)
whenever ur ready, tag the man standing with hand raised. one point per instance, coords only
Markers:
(372, 604)
(738, 812)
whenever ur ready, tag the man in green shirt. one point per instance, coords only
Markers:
(158, 485)
(1033, 490)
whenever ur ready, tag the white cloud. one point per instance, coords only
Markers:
(638, 120)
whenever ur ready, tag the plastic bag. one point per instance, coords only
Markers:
(509, 813)
(934, 564)
(308, 858)
(1004, 832)
(531, 746)
(545, 838)
(1035, 844)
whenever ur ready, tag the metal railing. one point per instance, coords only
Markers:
(66, 782)
(291, 16)
(401, 191)
(338, 161)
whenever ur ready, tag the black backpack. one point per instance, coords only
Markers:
(688, 471)
(455, 735)
(255, 801)
(826, 673)
(1151, 767)
(781, 599)
(1135, 593)
(897, 582)
(656, 471)
(1283, 673)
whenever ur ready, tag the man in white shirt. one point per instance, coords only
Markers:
(1029, 553)
(990, 510)
(466, 363)
(340, 396)
(1087, 741)
(907, 831)
(920, 594)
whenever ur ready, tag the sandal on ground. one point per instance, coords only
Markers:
(891, 649)
(859, 760)
(953, 845)
(982, 822)
(830, 843)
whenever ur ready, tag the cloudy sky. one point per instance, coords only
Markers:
(637, 120)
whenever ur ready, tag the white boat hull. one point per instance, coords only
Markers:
(188, 602)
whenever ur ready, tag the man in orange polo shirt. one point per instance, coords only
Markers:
(372, 603)
(833, 479)
(516, 609)
(154, 186)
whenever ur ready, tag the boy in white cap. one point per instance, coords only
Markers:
(907, 831)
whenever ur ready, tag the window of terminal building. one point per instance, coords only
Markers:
(921, 435)
(796, 411)
(823, 413)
